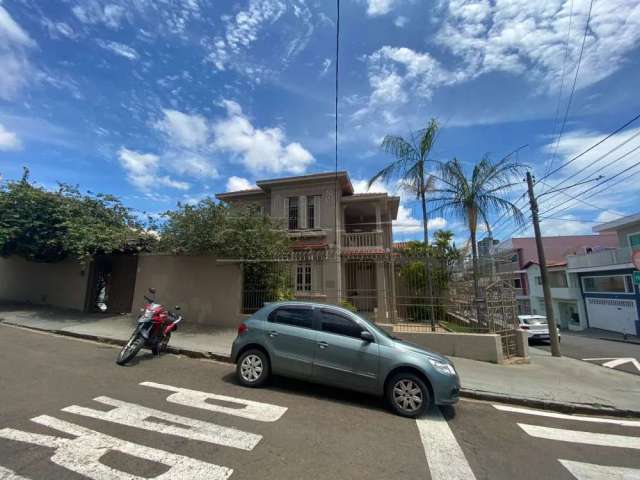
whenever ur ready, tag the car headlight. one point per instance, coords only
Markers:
(442, 367)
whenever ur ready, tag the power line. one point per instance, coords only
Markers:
(584, 152)
(597, 160)
(564, 64)
(575, 80)
(592, 205)
(596, 186)
(335, 186)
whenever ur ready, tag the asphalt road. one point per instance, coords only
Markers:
(602, 352)
(169, 428)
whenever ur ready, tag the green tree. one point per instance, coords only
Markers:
(475, 198)
(48, 226)
(242, 234)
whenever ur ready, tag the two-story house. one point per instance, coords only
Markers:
(609, 298)
(341, 235)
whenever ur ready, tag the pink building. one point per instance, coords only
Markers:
(514, 254)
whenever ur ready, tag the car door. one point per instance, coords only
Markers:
(291, 340)
(341, 357)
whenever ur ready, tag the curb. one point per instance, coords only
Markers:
(619, 340)
(569, 408)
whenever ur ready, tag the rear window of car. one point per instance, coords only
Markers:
(334, 322)
(294, 316)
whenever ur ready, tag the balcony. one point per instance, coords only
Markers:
(362, 242)
(605, 258)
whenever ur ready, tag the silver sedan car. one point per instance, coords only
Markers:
(331, 345)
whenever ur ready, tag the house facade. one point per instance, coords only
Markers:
(608, 297)
(338, 237)
(514, 256)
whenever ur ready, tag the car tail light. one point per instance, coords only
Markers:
(242, 328)
(524, 327)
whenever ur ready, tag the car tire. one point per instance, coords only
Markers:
(402, 393)
(253, 368)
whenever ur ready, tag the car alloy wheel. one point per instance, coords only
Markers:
(407, 395)
(251, 368)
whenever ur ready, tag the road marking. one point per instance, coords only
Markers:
(588, 438)
(82, 454)
(615, 362)
(6, 474)
(445, 458)
(138, 416)
(589, 471)
(540, 413)
(262, 412)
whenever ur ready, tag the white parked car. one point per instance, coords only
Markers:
(536, 326)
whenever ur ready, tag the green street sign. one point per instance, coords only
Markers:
(636, 278)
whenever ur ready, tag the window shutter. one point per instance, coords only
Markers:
(316, 211)
(286, 211)
(302, 212)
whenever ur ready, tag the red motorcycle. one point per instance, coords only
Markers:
(153, 329)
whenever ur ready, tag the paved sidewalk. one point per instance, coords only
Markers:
(198, 340)
(604, 335)
(558, 383)
(546, 382)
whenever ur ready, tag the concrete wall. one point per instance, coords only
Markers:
(483, 347)
(208, 292)
(61, 284)
(623, 234)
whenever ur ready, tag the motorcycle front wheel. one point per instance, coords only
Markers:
(131, 349)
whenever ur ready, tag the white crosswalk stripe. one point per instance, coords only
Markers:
(590, 471)
(575, 436)
(445, 458)
(564, 416)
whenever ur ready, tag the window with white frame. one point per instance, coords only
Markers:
(311, 211)
(303, 277)
(608, 284)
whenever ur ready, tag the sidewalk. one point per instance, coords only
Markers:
(604, 335)
(563, 384)
(193, 339)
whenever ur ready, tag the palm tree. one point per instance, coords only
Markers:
(474, 199)
(410, 167)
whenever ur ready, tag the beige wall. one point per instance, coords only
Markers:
(61, 284)
(208, 292)
(476, 346)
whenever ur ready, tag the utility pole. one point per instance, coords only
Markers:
(553, 329)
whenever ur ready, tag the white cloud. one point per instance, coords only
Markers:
(142, 171)
(242, 30)
(259, 150)
(119, 49)
(325, 66)
(58, 29)
(235, 184)
(379, 7)
(91, 12)
(607, 216)
(184, 129)
(190, 164)
(9, 140)
(518, 36)
(16, 71)
(400, 21)
(406, 223)
(362, 186)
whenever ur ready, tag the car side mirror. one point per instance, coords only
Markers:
(366, 336)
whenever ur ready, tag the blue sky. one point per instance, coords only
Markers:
(172, 100)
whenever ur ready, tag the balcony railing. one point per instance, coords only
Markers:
(362, 240)
(604, 258)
